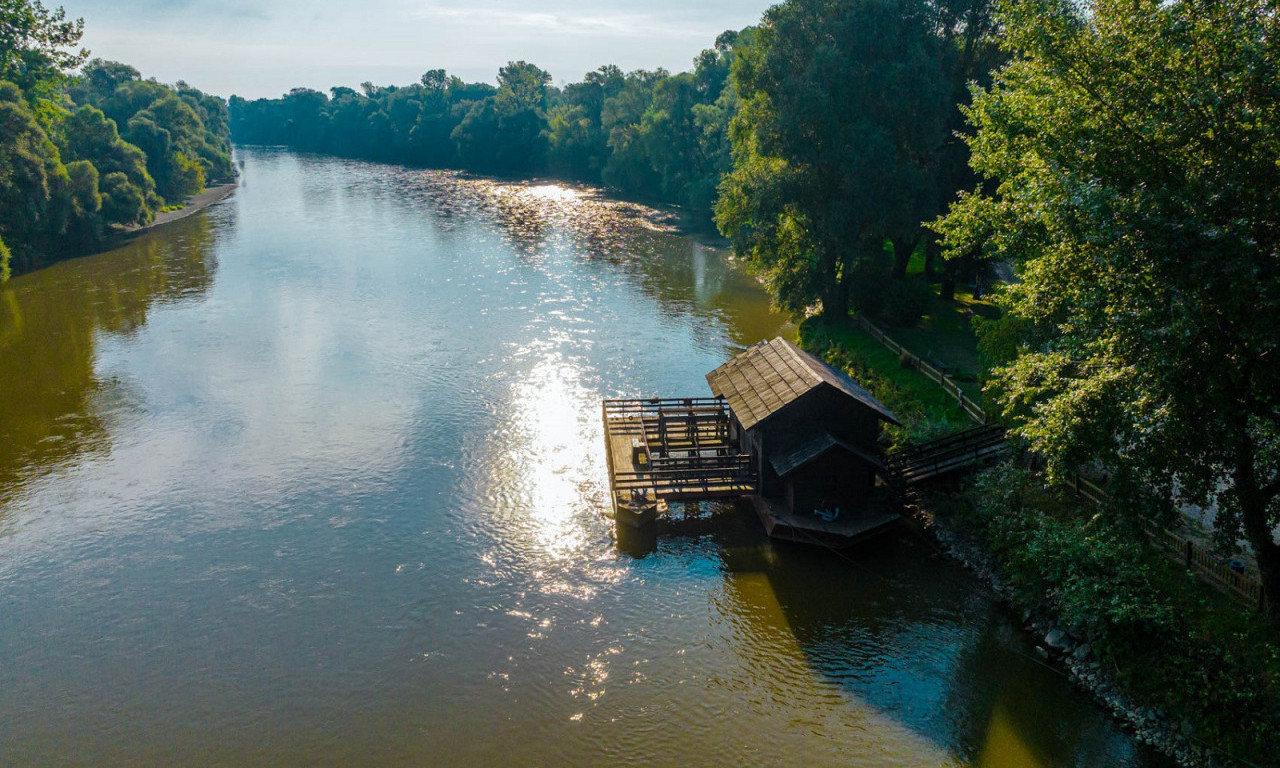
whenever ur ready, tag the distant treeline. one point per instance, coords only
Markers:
(646, 133)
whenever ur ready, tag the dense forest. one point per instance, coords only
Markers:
(82, 153)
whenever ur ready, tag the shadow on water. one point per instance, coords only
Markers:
(896, 627)
(49, 326)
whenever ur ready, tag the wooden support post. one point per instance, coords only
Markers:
(1189, 550)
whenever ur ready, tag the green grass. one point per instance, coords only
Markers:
(945, 335)
(918, 402)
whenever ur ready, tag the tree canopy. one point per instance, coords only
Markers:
(1133, 156)
(79, 153)
(842, 142)
(37, 45)
(647, 133)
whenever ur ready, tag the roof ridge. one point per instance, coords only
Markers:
(800, 357)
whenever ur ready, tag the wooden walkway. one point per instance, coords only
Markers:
(954, 453)
(665, 450)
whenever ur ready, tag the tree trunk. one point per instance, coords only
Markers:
(1254, 499)
(835, 294)
(835, 303)
(947, 292)
(932, 253)
(902, 249)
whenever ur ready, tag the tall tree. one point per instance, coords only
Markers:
(1135, 145)
(37, 45)
(504, 133)
(842, 105)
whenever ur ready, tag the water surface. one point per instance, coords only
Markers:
(317, 478)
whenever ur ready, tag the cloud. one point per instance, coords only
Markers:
(514, 20)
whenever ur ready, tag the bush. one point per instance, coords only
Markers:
(1177, 645)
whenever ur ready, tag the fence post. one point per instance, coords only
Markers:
(1188, 548)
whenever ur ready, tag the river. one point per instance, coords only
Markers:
(316, 478)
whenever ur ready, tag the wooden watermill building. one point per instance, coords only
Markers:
(784, 428)
(812, 435)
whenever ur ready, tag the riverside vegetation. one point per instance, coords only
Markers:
(82, 153)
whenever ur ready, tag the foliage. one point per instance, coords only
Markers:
(1135, 150)
(37, 45)
(128, 189)
(504, 134)
(844, 141)
(35, 197)
(5, 256)
(841, 99)
(1176, 644)
(66, 172)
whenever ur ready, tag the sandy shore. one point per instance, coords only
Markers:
(196, 203)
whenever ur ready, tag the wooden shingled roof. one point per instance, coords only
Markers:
(772, 374)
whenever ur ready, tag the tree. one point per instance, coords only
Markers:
(505, 133)
(1135, 151)
(101, 78)
(34, 185)
(37, 45)
(842, 103)
(89, 135)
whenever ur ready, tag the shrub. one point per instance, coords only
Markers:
(1178, 645)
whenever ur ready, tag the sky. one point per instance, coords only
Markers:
(264, 48)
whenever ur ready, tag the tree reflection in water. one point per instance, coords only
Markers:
(50, 323)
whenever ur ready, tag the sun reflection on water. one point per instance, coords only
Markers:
(555, 451)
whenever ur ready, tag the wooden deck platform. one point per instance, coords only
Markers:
(849, 528)
(671, 450)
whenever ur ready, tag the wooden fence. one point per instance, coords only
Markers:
(931, 371)
(1242, 583)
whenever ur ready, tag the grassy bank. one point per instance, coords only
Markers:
(922, 406)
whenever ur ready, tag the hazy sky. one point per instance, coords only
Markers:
(266, 47)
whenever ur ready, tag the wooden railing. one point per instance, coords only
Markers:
(1242, 583)
(931, 371)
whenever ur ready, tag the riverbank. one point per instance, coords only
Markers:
(1191, 674)
(195, 204)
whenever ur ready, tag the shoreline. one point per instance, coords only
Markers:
(195, 204)
(1071, 656)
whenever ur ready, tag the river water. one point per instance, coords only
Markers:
(316, 478)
